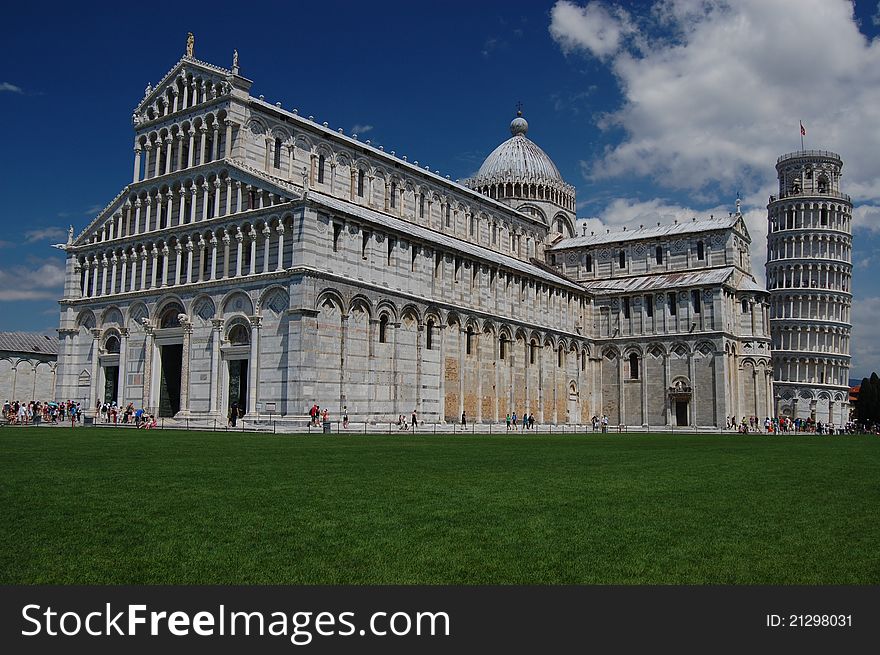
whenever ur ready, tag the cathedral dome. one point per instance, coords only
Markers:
(517, 160)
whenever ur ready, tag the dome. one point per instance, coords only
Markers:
(517, 159)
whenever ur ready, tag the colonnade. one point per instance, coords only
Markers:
(221, 253)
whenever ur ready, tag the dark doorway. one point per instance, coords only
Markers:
(238, 383)
(111, 383)
(169, 381)
(681, 412)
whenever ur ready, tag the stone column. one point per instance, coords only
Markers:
(124, 272)
(181, 206)
(227, 147)
(215, 146)
(184, 367)
(148, 218)
(123, 359)
(267, 234)
(104, 265)
(201, 245)
(213, 257)
(254, 365)
(168, 140)
(252, 264)
(667, 382)
(226, 242)
(203, 138)
(113, 262)
(228, 209)
(205, 201)
(157, 170)
(165, 252)
(280, 230)
(189, 261)
(178, 252)
(216, 331)
(149, 347)
(192, 144)
(239, 251)
(93, 391)
(692, 373)
(154, 256)
(137, 216)
(193, 201)
(149, 148)
(137, 164)
(237, 197)
(179, 160)
(216, 197)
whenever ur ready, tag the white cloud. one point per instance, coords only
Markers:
(865, 345)
(6, 86)
(361, 129)
(866, 217)
(599, 29)
(46, 281)
(717, 96)
(45, 234)
(876, 17)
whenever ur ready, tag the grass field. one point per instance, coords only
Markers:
(105, 506)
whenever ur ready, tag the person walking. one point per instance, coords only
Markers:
(72, 414)
(463, 420)
(415, 420)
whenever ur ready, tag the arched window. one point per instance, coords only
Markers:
(360, 186)
(626, 307)
(502, 347)
(469, 341)
(421, 205)
(649, 306)
(658, 254)
(383, 328)
(239, 335)
(701, 253)
(633, 367)
(695, 300)
(393, 195)
(621, 259)
(321, 161)
(447, 215)
(559, 357)
(112, 344)
(584, 360)
(429, 334)
(673, 304)
(533, 348)
(169, 319)
(589, 264)
(277, 152)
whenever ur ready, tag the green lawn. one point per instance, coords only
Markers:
(111, 506)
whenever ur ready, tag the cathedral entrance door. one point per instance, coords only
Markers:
(169, 382)
(681, 412)
(111, 383)
(238, 383)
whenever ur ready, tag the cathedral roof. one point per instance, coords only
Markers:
(440, 240)
(29, 342)
(655, 232)
(517, 160)
(660, 281)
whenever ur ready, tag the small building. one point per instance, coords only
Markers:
(27, 366)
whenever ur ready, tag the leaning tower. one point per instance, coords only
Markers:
(809, 274)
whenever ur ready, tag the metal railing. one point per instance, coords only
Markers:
(809, 153)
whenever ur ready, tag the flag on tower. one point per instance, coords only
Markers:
(803, 129)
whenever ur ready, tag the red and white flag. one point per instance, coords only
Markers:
(803, 129)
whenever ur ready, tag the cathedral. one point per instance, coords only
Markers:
(261, 259)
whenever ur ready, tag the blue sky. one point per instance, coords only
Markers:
(653, 110)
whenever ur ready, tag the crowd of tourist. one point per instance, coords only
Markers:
(786, 425)
(37, 412)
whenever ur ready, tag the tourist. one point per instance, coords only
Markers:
(507, 420)
(513, 421)
(463, 420)
(345, 416)
(72, 414)
(414, 420)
